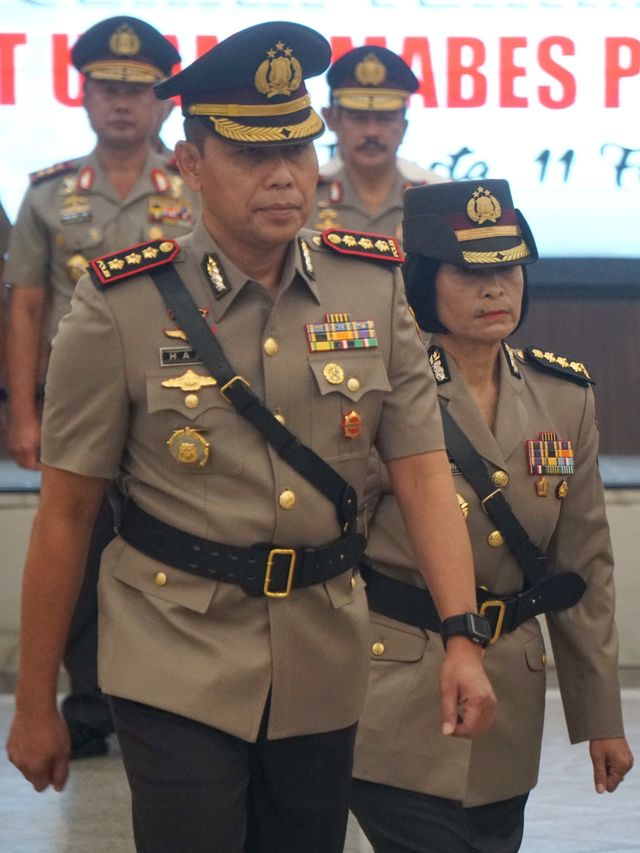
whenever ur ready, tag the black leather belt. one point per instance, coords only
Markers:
(413, 605)
(269, 570)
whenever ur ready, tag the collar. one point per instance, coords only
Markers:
(511, 415)
(350, 197)
(296, 269)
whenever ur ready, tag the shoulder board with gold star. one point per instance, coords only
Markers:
(560, 365)
(373, 247)
(53, 171)
(112, 268)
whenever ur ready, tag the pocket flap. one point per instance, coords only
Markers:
(389, 642)
(189, 403)
(344, 588)
(164, 582)
(357, 372)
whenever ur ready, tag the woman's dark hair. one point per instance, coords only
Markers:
(419, 275)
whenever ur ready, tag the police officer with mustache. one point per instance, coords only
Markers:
(362, 188)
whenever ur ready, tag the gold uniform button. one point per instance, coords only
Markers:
(352, 582)
(495, 539)
(287, 499)
(280, 418)
(161, 578)
(499, 478)
(271, 346)
(544, 659)
(377, 649)
(353, 384)
(191, 401)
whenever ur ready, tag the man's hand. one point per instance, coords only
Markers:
(24, 442)
(468, 701)
(612, 760)
(39, 746)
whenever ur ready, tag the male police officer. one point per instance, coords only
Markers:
(370, 87)
(122, 192)
(235, 382)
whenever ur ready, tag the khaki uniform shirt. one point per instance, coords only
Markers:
(73, 215)
(339, 206)
(399, 740)
(195, 646)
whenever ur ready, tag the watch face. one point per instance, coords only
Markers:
(479, 629)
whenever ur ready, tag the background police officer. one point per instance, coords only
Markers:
(362, 188)
(121, 192)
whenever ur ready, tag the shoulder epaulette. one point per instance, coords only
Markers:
(560, 365)
(53, 171)
(112, 268)
(373, 247)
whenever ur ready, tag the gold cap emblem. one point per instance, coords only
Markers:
(124, 42)
(370, 71)
(280, 74)
(483, 207)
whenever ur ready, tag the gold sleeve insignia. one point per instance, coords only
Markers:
(116, 266)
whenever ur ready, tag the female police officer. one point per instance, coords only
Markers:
(522, 444)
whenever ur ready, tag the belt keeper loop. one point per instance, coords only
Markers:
(489, 497)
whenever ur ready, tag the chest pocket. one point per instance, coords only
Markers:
(81, 237)
(203, 433)
(347, 400)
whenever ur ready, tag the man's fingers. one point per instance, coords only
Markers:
(60, 772)
(599, 774)
(449, 711)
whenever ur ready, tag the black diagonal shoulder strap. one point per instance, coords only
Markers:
(532, 561)
(236, 390)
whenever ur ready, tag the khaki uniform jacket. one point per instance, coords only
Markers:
(195, 646)
(399, 740)
(71, 215)
(339, 206)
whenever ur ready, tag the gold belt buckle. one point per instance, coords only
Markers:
(502, 610)
(231, 382)
(273, 553)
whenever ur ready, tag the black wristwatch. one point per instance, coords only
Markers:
(476, 628)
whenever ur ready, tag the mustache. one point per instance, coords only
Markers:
(371, 143)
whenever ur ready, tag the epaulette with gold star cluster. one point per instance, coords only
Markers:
(53, 171)
(112, 268)
(372, 247)
(560, 365)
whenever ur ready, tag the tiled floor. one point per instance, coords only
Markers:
(564, 814)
